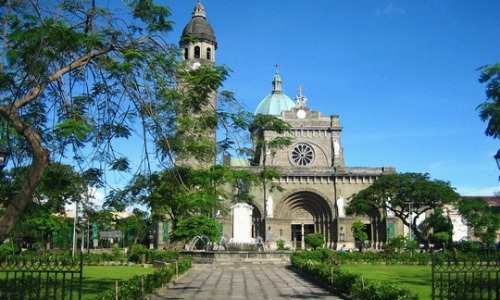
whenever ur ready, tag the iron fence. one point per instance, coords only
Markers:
(466, 277)
(41, 278)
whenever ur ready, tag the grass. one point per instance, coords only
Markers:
(99, 278)
(415, 278)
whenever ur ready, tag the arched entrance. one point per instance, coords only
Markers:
(256, 222)
(307, 212)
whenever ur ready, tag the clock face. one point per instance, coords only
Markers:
(301, 114)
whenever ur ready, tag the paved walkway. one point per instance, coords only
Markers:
(252, 282)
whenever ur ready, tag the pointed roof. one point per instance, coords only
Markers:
(198, 28)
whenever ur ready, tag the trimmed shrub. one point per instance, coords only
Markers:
(137, 253)
(321, 266)
(280, 244)
(314, 240)
(139, 286)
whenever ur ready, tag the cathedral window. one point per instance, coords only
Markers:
(186, 53)
(197, 52)
(209, 53)
(302, 155)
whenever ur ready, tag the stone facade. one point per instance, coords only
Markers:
(316, 184)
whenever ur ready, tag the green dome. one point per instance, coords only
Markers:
(274, 104)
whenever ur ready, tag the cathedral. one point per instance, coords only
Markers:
(316, 183)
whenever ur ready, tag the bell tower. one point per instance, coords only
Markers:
(198, 45)
(198, 41)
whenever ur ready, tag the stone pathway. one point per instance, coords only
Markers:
(247, 281)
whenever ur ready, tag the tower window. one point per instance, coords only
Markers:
(186, 53)
(197, 52)
(209, 53)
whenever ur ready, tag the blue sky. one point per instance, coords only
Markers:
(402, 75)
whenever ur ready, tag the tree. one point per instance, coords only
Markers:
(71, 75)
(44, 223)
(199, 225)
(489, 111)
(75, 77)
(438, 227)
(265, 144)
(359, 233)
(407, 195)
(482, 218)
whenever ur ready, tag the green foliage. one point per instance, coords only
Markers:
(373, 290)
(190, 227)
(314, 240)
(489, 111)
(280, 245)
(359, 233)
(442, 237)
(483, 219)
(137, 253)
(401, 192)
(401, 243)
(8, 249)
(138, 286)
(322, 267)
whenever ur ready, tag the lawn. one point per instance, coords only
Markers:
(416, 278)
(99, 278)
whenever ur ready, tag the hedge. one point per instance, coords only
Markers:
(322, 266)
(139, 286)
(403, 258)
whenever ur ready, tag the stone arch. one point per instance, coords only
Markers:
(312, 202)
(257, 229)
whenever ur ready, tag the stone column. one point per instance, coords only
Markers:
(302, 245)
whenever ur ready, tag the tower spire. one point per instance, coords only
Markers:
(199, 10)
(277, 89)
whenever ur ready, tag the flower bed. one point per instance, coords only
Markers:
(323, 267)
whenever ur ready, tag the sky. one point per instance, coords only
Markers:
(402, 75)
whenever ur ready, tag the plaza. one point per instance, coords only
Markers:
(242, 282)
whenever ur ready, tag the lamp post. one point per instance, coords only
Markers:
(497, 159)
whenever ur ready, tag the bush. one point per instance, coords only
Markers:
(137, 253)
(380, 291)
(321, 266)
(314, 240)
(138, 286)
(8, 249)
(280, 244)
(161, 255)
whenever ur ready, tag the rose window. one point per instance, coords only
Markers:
(302, 155)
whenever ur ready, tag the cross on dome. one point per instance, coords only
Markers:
(300, 99)
(277, 89)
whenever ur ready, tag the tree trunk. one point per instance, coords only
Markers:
(40, 161)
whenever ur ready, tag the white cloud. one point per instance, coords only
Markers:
(96, 198)
(478, 190)
(390, 9)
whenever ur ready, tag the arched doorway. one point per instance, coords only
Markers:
(307, 212)
(256, 222)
